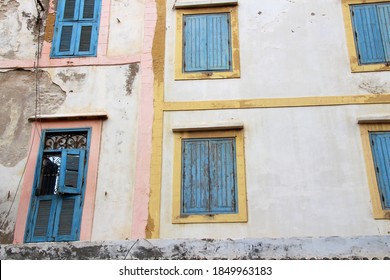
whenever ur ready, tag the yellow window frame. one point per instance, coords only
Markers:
(242, 213)
(351, 44)
(235, 72)
(365, 129)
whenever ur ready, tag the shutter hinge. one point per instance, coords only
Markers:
(377, 169)
(372, 142)
(353, 13)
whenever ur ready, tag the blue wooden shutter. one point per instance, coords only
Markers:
(384, 23)
(67, 220)
(380, 144)
(72, 171)
(195, 43)
(367, 34)
(195, 176)
(77, 25)
(218, 42)
(41, 227)
(223, 175)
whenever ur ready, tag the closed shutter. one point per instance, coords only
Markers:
(218, 42)
(196, 193)
(72, 171)
(41, 227)
(380, 143)
(222, 174)
(367, 34)
(207, 42)
(195, 43)
(384, 22)
(66, 226)
(77, 25)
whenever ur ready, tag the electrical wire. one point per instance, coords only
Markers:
(36, 109)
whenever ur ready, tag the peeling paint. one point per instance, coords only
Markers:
(5, 6)
(17, 96)
(131, 74)
(66, 77)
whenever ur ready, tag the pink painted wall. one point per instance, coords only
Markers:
(145, 123)
(28, 178)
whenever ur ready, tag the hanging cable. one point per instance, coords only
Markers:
(36, 110)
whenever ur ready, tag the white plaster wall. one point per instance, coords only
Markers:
(305, 174)
(287, 49)
(96, 89)
(126, 27)
(17, 40)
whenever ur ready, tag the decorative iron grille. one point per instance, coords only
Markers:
(69, 140)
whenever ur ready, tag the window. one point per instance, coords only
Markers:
(210, 177)
(376, 144)
(380, 145)
(59, 184)
(370, 31)
(76, 28)
(207, 43)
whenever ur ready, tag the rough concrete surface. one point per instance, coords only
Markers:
(363, 247)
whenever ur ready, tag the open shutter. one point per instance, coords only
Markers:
(195, 177)
(384, 22)
(195, 43)
(380, 143)
(72, 171)
(67, 220)
(222, 175)
(40, 229)
(367, 34)
(218, 42)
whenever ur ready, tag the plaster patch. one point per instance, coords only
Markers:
(375, 87)
(5, 6)
(131, 74)
(18, 99)
(67, 76)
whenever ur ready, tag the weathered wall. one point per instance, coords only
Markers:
(18, 29)
(18, 98)
(287, 49)
(305, 173)
(364, 247)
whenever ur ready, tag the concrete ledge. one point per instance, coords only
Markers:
(209, 126)
(374, 119)
(362, 247)
(69, 117)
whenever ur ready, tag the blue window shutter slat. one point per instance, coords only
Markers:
(384, 23)
(381, 156)
(368, 34)
(222, 174)
(218, 47)
(67, 220)
(195, 49)
(195, 176)
(88, 9)
(40, 229)
(72, 171)
(67, 34)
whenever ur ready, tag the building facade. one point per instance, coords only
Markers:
(194, 119)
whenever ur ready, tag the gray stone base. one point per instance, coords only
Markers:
(363, 247)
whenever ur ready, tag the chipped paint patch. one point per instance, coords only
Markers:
(374, 87)
(67, 76)
(17, 96)
(131, 74)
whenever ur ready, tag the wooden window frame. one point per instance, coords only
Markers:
(77, 24)
(365, 129)
(234, 71)
(241, 215)
(351, 43)
(63, 192)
